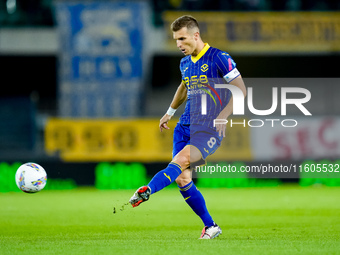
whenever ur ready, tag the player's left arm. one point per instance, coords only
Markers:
(227, 111)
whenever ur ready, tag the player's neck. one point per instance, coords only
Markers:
(199, 48)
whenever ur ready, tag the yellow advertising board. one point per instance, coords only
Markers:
(129, 140)
(254, 32)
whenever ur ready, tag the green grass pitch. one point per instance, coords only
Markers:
(279, 220)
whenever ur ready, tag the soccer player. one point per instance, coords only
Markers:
(195, 135)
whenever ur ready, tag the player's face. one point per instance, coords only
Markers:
(186, 41)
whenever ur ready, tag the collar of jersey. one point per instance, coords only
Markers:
(202, 52)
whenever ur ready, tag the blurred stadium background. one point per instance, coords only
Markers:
(83, 85)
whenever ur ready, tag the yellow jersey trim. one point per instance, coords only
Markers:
(202, 52)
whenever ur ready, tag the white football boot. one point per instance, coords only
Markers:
(211, 232)
(142, 194)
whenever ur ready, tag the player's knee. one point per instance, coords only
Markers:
(183, 160)
(184, 178)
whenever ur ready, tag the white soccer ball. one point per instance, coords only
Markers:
(31, 177)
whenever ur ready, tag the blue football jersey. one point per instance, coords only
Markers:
(200, 74)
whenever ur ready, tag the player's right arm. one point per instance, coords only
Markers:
(179, 98)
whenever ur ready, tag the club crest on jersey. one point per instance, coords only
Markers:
(204, 68)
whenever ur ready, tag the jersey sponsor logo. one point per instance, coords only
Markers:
(204, 68)
(206, 150)
(214, 91)
(195, 82)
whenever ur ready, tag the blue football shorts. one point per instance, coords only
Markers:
(203, 138)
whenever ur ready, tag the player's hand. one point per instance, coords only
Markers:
(220, 128)
(163, 123)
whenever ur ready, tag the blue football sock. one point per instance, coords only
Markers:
(196, 201)
(165, 177)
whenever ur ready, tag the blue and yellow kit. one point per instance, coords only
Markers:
(200, 74)
(211, 66)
